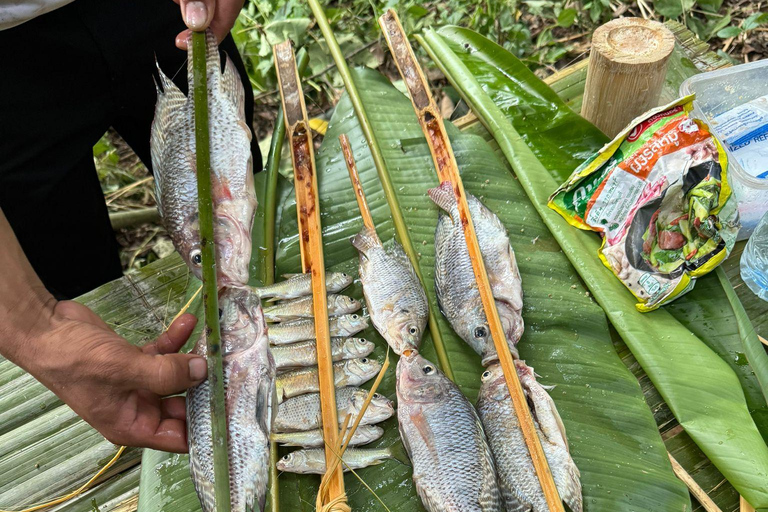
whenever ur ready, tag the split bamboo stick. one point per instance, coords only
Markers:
(349, 157)
(445, 162)
(744, 506)
(210, 285)
(311, 242)
(694, 488)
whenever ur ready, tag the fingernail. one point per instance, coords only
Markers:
(196, 15)
(198, 368)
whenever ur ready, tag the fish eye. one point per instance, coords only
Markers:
(486, 374)
(364, 360)
(196, 257)
(480, 332)
(428, 370)
(413, 330)
(287, 457)
(376, 395)
(355, 317)
(344, 274)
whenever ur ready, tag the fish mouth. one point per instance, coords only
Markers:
(233, 243)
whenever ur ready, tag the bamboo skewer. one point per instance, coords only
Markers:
(744, 506)
(694, 488)
(210, 285)
(312, 261)
(445, 162)
(365, 212)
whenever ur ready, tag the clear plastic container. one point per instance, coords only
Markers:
(754, 260)
(718, 92)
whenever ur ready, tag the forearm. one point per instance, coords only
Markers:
(26, 307)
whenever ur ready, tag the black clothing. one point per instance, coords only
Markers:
(65, 78)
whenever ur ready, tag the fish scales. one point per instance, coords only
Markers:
(302, 330)
(300, 285)
(396, 300)
(312, 461)
(304, 353)
(364, 434)
(517, 477)
(351, 372)
(453, 468)
(302, 308)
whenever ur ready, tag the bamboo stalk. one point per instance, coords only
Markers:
(381, 169)
(128, 218)
(349, 157)
(694, 488)
(210, 287)
(744, 506)
(310, 236)
(445, 162)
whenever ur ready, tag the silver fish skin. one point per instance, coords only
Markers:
(517, 478)
(300, 285)
(302, 330)
(302, 413)
(453, 468)
(249, 376)
(312, 461)
(302, 308)
(364, 434)
(351, 372)
(455, 284)
(173, 152)
(304, 353)
(396, 300)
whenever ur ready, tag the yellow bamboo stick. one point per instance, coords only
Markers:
(694, 488)
(744, 506)
(445, 162)
(312, 261)
(349, 157)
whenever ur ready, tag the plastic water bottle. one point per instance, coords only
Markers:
(754, 260)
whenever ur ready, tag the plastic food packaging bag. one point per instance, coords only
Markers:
(659, 195)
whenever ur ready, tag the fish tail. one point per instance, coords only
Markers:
(443, 196)
(366, 240)
(398, 453)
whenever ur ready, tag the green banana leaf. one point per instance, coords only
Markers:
(614, 441)
(700, 388)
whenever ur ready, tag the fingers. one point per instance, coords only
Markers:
(168, 435)
(168, 374)
(175, 337)
(197, 14)
(220, 16)
(174, 408)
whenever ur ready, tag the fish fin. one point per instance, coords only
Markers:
(264, 404)
(444, 197)
(398, 453)
(232, 86)
(430, 502)
(366, 240)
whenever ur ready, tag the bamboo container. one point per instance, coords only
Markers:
(627, 67)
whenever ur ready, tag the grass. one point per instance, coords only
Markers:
(546, 34)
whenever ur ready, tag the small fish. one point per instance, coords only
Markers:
(249, 376)
(312, 461)
(517, 478)
(302, 308)
(172, 146)
(299, 285)
(303, 412)
(396, 300)
(351, 372)
(304, 353)
(364, 434)
(453, 468)
(302, 330)
(455, 284)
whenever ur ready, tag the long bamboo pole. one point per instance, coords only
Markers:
(311, 242)
(362, 204)
(381, 169)
(210, 286)
(445, 162)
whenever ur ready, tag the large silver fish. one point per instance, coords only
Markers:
(517, 478)
(300, 285)
(455, 283)
(249, 377)
(453, 468)
(396, 301)
(173, 159)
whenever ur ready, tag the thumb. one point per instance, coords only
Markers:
(169, 374)
(197, 14)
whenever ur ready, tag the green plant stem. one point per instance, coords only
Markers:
(210, 287)
(381, 168)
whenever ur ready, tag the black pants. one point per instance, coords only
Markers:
(65, 78)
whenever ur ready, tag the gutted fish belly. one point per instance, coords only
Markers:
(396, 300)
(249, 376)
(453, 468)
(173, 160)
(517, 477)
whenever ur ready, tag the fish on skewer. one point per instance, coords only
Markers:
(455, 284)
(396, 300)
(302, 330)
(304, 353)
(173, 152)
(302, 412)
(517, 478)
(351, 372)
(249, 378)
(300, 285)
(453, 468)
(364, 434)
(312, 461)
(296, 309)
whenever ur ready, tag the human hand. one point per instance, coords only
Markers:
(116, 387)
(219, 15)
